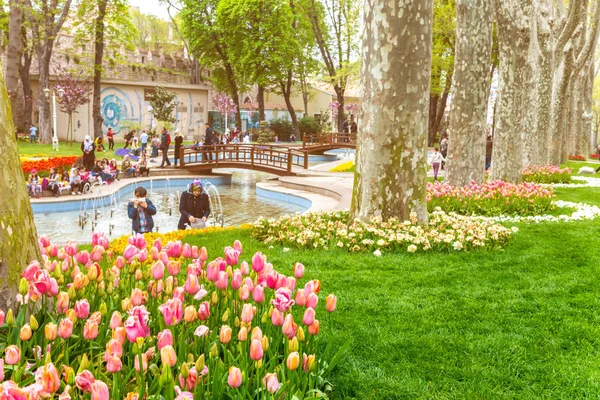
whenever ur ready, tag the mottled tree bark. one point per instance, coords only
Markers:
(18, 237)
(513, 21)
(390, 179)
(544, 86)
(467, 131)
(13, 52)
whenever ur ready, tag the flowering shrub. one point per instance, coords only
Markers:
(119, 244)
(347, 166)
(546, 174)
(44, 165)
(164, 323)
(444, 232)
(491, 198)
(577, 158)
(595, 155)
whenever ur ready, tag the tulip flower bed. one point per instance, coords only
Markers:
(444, 232)
(577, 158)
(44, 165)
(347, 166)
(490, 199)
(164, 323)
(547, 174)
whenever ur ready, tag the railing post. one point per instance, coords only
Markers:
(181, 154)
(217, 155)
(252, 156)
(305, 159)
(289, 161)
(304, 141)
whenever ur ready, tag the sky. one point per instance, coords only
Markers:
(151, 7)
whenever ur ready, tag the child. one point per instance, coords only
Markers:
(143, 166)
(140, 211)
(126, 167)
(155, 143)
(75, 181)
(53, 180)
(34, 184)
(99, 142)
(436, 160)
(114, 168)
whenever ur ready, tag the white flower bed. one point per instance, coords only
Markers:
(582, 212)
(589, 182)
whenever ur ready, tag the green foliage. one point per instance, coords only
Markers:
(163, 104)
(309, 125)
(444, 36)
(152, 33)
(282, 128)
(265, 135)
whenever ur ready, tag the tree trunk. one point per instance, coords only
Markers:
(45, 114)
(13, 55)
(513, 36)
(557, 122)
(24, 68)
(529, 129)
(391, 177)
(98, 55)
(544, 89)
(286, 90)
(260, 99)
(587, 141)
(441, 107)
(18, 235)
(341, 117)
(432, 131)
(466, 147)
(238, 114)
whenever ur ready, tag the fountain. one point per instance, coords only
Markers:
(216, 207)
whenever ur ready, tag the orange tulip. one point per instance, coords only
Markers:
(225, 334)
(47, 376)
(293, 361)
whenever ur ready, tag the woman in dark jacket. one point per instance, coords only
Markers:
(140, 211)
(89, 154)
(194, 204)
(178, 142)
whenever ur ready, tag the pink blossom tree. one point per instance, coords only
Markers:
(225, 106)
(76, 92)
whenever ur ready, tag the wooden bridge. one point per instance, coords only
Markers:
(275, 159)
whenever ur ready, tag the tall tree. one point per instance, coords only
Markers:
(24, 69)
(18, 235)
(335, 28)
(163, 104)
(112, 25)
(13, 53)
(468, 117)
(390, 179)
(46, 18)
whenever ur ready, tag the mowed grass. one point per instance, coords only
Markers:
(518, 323)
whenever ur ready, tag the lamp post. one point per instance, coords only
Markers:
(60, 94)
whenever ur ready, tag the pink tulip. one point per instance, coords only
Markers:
(314, 328)
(2, 316)
(289, 327)
(137, 297)
(236, 279)
(158, 270)
(272, 278)
(142, 255)
(174, 267)
(187, 251)
(120, 262)
(202, 330)
(12, 355)
(164, 338)
(103, 241)
(172, 311)
(83, 257)
(130, 252)
(244, 293)
(331, 303)
(116, 320)
(212, 271)
(157, 244)
(52, 250)
(154, 254)
(99, 391)
(190, 382)
(183, 395)
(203, 254)
(247, 313)
(174, 249)
(283, 299)
(90, 330)
(309, 316)
(65, 328)
(258, 262)
(290, 283)
(31, 270)
(136, 363)
(231, 256)
(298, 270)
(234, 378)
(44, 241)
(201, 293)
(84, 381)
(82, 309)
(137, 323)
(244, 268)
(53, 291)
(300, 297)
(96, 254)
(191, 284)
(281, 281)
(62, 254)
(114, 347)
(11, 390)
(139, 241)
(195, 252)
(119, 334)
(41, 281)
(256, 350)
(258, 294)
(237, 246)
(47, 376)
(277, 317)
(248, 282)
(312, 300)
(204, 311)
(271, 383)
(71, 249)
(223, 280)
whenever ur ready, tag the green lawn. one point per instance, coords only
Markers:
(518, 323)
(27, 149)
(575, 165)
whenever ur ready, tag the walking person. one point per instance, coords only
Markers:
(194, 206)
(155, 143)
(489, 145)
(89, 155)
(165, 142)
(178, 143)
(436, 160)
(444, 148)
(209, 141)
(33, 134)
(140, 210)
(144, 141)
(110, 134)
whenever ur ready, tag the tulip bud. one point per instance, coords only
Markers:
(23, 287)
(264, 318)
(300, 334)
(154, 369)
(25, 333)
(70, 376)
(293, 345)
(33, 323)
(109, 288)
(200, 363)
(236, 322)
(265, 343)
(72, 292)
(48, 358)
(85, 363)
(215, 298)
(70, 314)
(225, 317)
(51, 331)
(10, 319)
(243, 334)
(214, 350)
(184, 371)
(103, 309)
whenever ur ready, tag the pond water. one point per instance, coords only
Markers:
(240, 204)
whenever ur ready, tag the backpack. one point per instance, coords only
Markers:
(168, 139)
(44, 183)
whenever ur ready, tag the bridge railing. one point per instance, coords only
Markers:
(273, 156)
(328, 139)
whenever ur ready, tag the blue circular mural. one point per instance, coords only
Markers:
(114, 110)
